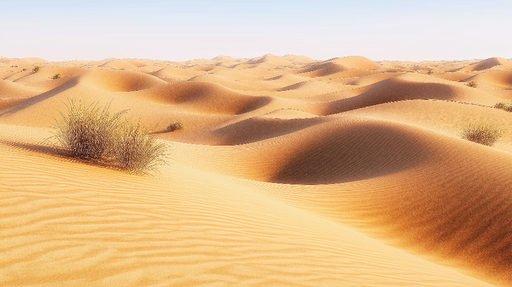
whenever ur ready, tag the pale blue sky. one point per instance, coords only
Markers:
(183, 30)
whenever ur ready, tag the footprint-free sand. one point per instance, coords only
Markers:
(289, 171)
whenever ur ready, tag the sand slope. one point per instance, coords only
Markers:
(102, 228)
(289, 172)
(491, 63)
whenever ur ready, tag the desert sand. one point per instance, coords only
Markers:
(289, 171)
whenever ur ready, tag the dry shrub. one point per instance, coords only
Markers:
(503, 106)
(36, 69)
(472, 84)
(94, 134)
(482, 134)
(174, 126)
(136, 150)
(56, 76)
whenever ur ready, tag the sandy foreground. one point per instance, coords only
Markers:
(289, 172)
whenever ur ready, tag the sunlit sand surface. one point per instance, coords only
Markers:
(289, 172)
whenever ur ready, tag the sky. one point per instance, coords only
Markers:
(58, 30)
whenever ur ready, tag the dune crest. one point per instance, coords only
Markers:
(355, 62)
(488, 64)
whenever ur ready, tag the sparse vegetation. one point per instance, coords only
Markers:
(36, 69)
(482, 134)
(136, 150)
(94, 134)
(430, 72)
(56, 76)
(472, 84)
(503, 106)
(174, 127)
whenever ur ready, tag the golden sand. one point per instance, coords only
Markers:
(289, 172)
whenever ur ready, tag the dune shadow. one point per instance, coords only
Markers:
(258, 129)
(353, 153)
(45, 148)
(388, 91)
(11, 109)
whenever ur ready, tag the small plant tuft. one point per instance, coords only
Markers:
(482, 134)
(94, 134)
(174, 127)
(36, 69)
(503, 106)
(56, 76)
(136, 150)
(472, 84)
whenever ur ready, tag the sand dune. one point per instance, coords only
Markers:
(204, 97)
(299, 59)
(490, 63)
(25, 61)
(10, 89)
(356, 62)
(136, 62)
(224, 58)
(175, 73)
(44, 79)
(496, 79)
(454, 76)
(118, 64)
(119, 81)
(122, 230)
(368, 79)
(289, 172)
(309, 87)
(412, 86)
(229, 83)
(323, 69)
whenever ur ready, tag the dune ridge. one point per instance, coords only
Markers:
(289, 171)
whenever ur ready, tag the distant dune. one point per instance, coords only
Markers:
(289, 172)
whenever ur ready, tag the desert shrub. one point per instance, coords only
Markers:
(503, 106)
(430, 72)
(174, 126)
(87, 132)
(36, 69)
(56, 76)
(472, 84)
(136, 150)
(92, 133)
(482, 134)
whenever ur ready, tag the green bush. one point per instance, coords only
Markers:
(482, 134)
(94, 134)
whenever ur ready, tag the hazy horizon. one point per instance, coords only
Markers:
(171, 30)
